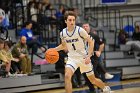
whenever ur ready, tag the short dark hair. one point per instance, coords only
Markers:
(1, 41)
(85, 23)
(69, 13)
(27, 23)
(8, 43)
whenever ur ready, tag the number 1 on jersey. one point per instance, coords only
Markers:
(73, 46)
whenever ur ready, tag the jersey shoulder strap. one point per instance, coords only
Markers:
(79, 32)
(62, 32)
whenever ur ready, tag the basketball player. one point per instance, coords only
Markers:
(73, 39)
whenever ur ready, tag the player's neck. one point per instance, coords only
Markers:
(70, 29)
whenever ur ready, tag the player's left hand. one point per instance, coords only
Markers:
(87, 60)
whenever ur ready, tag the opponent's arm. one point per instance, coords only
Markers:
(101, 46)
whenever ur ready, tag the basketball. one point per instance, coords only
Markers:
(51, 56)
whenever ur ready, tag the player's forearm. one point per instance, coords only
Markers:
(60, 47)
(90, 49)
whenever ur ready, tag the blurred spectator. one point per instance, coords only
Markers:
(49, 13)
(122, 37)
(129, 29)
(60, 13)
(135, 42)
(32, 41)
(60, 17)
(8, 54)
(49, 18)
(136, 34)
(32, 10)
(5, 5)
(46, 5)
(20, 51)
(2, 15)
(3, 57)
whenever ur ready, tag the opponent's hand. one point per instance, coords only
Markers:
(98, 53)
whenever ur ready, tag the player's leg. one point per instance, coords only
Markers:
(68, 76)
(70, 68)
(98, 83)
(95, 81)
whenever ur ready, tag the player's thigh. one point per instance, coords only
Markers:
(70, 68)
(86, 68)
(68, 72)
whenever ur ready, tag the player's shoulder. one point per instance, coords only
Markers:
(79, 28)
(64, 29)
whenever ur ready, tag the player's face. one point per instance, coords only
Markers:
(70, 21)
(86, 27)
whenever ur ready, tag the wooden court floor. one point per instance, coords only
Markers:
(125, 86)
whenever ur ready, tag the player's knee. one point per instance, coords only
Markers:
(67, 76)
(89, 73)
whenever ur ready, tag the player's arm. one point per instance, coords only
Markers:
(62, 46)
(87, 38)
(101, 45)
(90, 49)
(100, 42)
(91, 46)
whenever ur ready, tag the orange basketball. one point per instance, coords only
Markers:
(51, 56)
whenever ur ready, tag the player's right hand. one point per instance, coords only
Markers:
(87, 60)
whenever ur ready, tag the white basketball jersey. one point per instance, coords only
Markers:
(75, 41)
